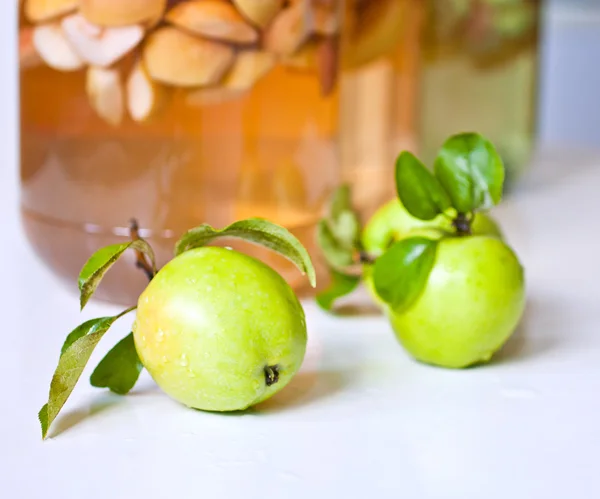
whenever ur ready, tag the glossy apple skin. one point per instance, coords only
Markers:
(392, 222)
(472, 303)
(209, 324)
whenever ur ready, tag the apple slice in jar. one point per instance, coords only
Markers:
(249, 67)
(122, 12)
(259, 12)
(37, 11)
(145, 97)
(105, 92)
(289, 30)
(176, 58)
(55, 50)
(305, 58)
(100, 46)
(379, 28)
(215, 19)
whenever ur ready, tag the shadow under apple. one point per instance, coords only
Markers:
(536, 334)
(305, 388)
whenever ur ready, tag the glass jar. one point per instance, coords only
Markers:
(379, 89)
(479, 73)
(181, 112)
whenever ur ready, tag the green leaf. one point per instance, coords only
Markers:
(87, 327)
(336, 254)
(338, 234)
(401, 273)
(101, 261)
(346, 229)
(343, 221)
(341, 201)
(471, 171)
(341, 285)
(419, 191)
(43, 417)
(255, 230)
(74, 356)
(119, 369)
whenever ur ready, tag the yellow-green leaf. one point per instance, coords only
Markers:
(74, 356)
(87, 327)
(258, 231)
(341, 285)
(101, 261)
(338, 233)
(342, 220)
(341, 201)
(336, 254)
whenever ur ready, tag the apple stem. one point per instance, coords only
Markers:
(271, 375)
(462, 224)
(141, 260)
(364, 257)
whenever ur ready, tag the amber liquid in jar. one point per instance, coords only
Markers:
(378, 96)
(209, 153)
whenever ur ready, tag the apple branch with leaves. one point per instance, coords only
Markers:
(120, 368)
(467, 177)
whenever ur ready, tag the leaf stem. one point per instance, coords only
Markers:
(141, 260)
(125, 312)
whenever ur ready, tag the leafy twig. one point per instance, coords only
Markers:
(141, 260)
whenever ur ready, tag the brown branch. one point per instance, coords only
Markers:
(141, 260)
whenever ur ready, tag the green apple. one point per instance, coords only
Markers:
(393, 222)
(219, 330)
(471, 304)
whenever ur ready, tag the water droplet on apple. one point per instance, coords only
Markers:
(183, 360)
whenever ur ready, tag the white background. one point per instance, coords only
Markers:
(570, 73)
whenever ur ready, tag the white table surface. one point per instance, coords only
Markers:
(361, 419)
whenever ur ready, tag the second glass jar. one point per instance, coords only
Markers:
(478, 72)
